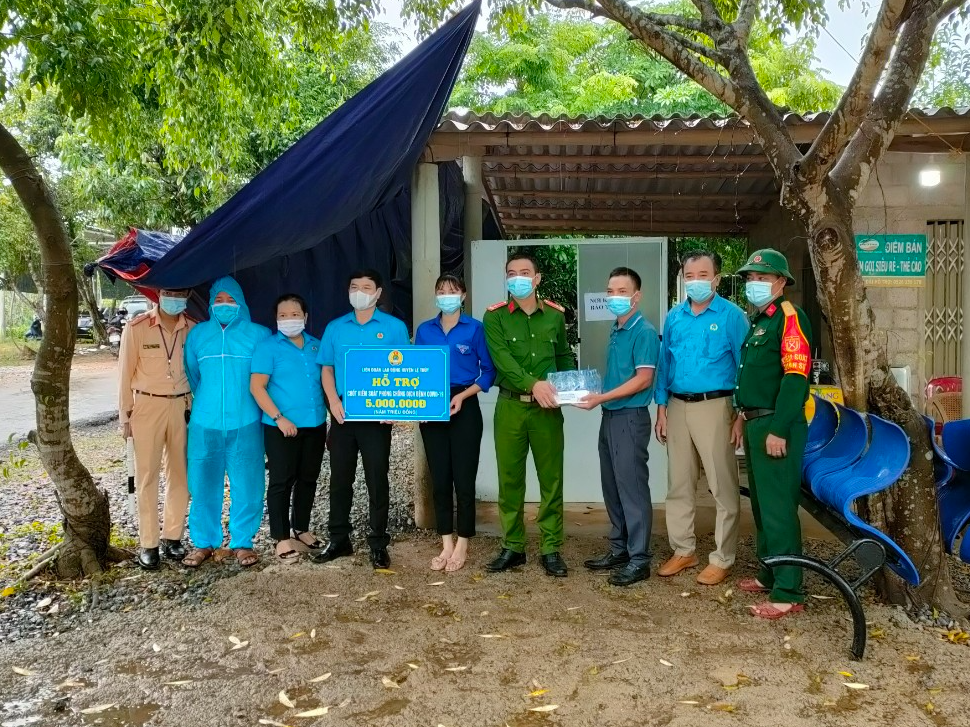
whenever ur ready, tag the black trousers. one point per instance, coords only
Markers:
(294, 467)
(453, 449)
(372, 440)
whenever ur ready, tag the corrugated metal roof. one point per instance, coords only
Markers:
(639, 175)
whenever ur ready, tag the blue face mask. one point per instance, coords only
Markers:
(758, 292)
(519, 286)
(448, 303)
(619, 305)
(225, 312)
(699, 291)
(172, 306)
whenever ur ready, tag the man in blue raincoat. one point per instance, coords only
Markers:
(225, 436)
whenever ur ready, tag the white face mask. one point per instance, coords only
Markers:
(360, 300)
(291, 327)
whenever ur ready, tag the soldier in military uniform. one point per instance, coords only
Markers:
(526, 338)
(771, 393)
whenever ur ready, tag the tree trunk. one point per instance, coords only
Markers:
(908, 510)
(87, 520)
(86, 287)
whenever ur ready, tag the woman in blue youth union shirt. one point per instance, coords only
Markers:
(286, 384)
(453, 447)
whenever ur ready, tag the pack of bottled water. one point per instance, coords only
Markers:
(572, 386)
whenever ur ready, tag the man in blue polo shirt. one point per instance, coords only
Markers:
(364, 326)
(625, 432)
(698, 371)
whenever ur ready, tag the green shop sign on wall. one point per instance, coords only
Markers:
(892, 260)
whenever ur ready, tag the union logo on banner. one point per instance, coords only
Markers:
(395, 358)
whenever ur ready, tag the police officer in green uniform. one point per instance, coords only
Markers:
(526, 338)
(771, 393)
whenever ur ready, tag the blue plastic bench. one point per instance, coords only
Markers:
(956, 442)
(943, 466)
(864, 455)
(954, 502)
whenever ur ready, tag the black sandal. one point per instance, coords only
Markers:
(317, 544)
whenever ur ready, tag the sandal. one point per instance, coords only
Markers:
(300, 544)
(751, 585)
(455, 564)
(246, 557)
(196, 557)
(221, 555)
(286, 552)
(438, 563)
(771, 613)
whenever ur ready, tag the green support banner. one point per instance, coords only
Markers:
(892, 260)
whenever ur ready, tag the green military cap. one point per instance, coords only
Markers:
(768, 261)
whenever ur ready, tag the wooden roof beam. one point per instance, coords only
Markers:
(631, 174)
(686, 227)
(626, 159)
(628, 196)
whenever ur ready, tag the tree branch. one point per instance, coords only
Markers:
(857, 99)
(747, 13)
(708, 12)
(589, 6)
(877, 128)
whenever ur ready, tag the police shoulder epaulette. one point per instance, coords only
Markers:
(554, 305)
(139, 318)
(496, 306)
(788, 308)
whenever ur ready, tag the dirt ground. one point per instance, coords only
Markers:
(416, 648)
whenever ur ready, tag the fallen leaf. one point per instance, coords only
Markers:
(369, 594)
(274, 671)
(273, 723)
(331, 595)
(99, 709)
(53, 609)
(855, 685)
(493, 636)
(413, 666)
(8, 591)
(318, 712)
(390, 683)
(665, 662)
(385, 571)
(180, 683)
(877, 634)
(935, 690)
(505, 596)
(321, 678)
(344, 703)
(234, 640)
(620, 661)
(574, 608)
(686, 594)
(848, 674)
(822, 598)
(23, 672)
(538, 693)
(593, 670)
(240, 645)
(156, 648)
(44, 603)
(298, 634)
(729, 592)
(721, 707)
(285, 700)
(483, 613)
(544, 708)
(69, 683)
(687, 701)
(437, 583)
(313, 633)
(912, 657)
(456, 668)
(400, 588)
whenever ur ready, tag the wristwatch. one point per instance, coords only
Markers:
(277, 417)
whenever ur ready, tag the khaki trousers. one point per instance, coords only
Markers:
(157, 425)
(700, 433)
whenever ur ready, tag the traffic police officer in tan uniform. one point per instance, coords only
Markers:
(771, 393)
(153, 406)
(526, 338)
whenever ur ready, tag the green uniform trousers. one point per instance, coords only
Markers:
(775, 484)
(519, 426)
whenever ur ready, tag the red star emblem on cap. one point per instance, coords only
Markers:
(757, 258)
(380, 335)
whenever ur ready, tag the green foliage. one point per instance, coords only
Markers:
(15, 459)
(560, 64)
(733, 252)
(559, 268)
(946, 79)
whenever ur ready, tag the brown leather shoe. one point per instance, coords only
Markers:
(712, 575)
(676, 564)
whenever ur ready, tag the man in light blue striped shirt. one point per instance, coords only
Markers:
(695, 382)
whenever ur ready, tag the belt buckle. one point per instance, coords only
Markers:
(525, 398)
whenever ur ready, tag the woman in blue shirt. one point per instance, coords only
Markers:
(453, 447)
(286, 384)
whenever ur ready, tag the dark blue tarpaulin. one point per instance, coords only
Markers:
(337, 200)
